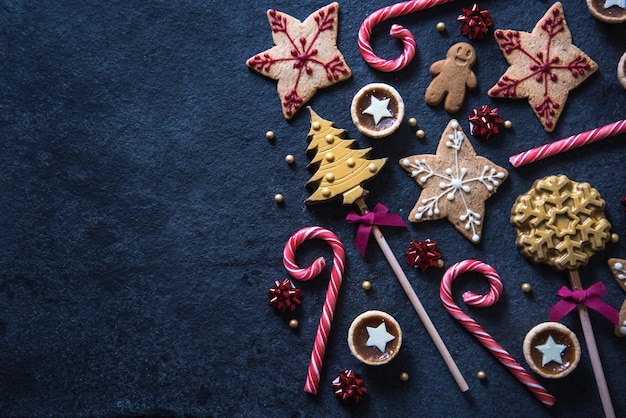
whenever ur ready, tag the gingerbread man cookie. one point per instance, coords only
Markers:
(452, 77)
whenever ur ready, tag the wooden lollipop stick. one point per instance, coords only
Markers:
(340, 173)
(592, 348)
(417, 305)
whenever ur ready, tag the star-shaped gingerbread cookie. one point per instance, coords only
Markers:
(618, 268)
(305, 56)
(455, 181)
(544, 66)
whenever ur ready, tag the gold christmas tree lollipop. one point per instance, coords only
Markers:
(341, 168)
(561, 223)
(340, 172)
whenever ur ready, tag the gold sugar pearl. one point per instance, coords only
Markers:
(412, 122)
(279, 198)
(420, 134)
(330, 157)
(350, 162)
(614, 238)
(366, 285)
(481, 375)
(372, 168)
(404, 376)
(526, 287)
(326, 192)
(508, 124)
(289, 159)
(329, 139)
(269, 135)
(441, 26)
(440, 263)
(316, 126)
(294, 323)
(330, 177)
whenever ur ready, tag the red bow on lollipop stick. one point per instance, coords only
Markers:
(379, 216)
(590, 297)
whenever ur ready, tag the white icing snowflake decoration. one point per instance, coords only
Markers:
(456, 182)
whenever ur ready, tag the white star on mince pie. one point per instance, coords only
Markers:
(379, 337)
(551, 351)
(379, 109)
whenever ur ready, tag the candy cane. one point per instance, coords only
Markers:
(472, 326)
(289, 260)
(566, 144)
(397, 31)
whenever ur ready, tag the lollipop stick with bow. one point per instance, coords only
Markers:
(340, 171)
(561, 223)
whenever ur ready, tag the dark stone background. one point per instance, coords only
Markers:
(139, 235)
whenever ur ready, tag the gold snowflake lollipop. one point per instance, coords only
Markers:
(561, 223)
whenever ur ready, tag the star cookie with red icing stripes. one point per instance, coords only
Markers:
(544, 66)
(305, 57)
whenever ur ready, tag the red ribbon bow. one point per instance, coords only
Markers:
(379, 216)
(590, 298)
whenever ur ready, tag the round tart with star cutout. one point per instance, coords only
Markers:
(609, 11)
(374, 337)
(551, 350)
(377, 110)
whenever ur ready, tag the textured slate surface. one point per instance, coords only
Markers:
(138, 231)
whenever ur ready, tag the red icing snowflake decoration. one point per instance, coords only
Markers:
(423, 254)
(305, 56)
(485, 122)
(474, 22)
(349, 387)
(544, 66)
(284, 296)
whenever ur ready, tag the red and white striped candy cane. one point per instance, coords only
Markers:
(336, 275)
(566, 144)
(397, 31)
(472, 326)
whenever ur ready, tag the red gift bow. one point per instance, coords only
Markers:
(379, 216)
(590, 298)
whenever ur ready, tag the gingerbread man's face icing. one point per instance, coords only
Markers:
(463, 54)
